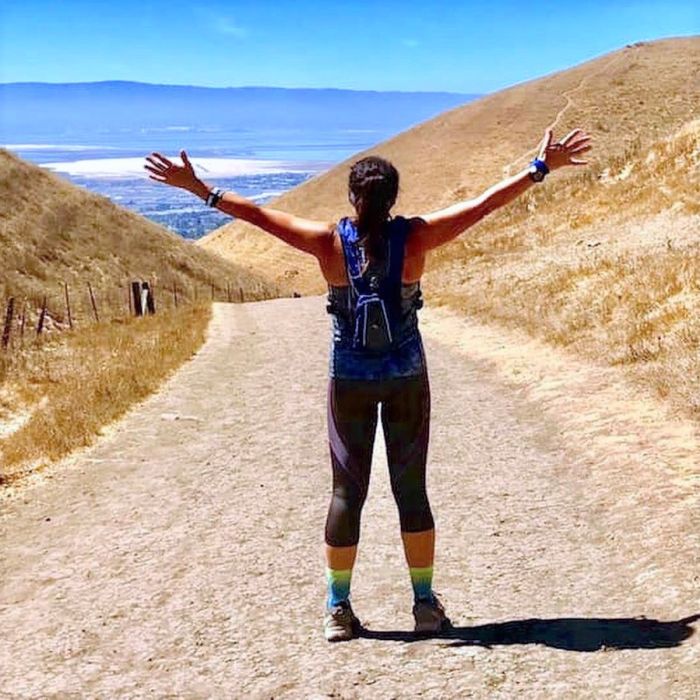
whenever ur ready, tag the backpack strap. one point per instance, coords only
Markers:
(355, 260)
(397, 250)
(354, 255)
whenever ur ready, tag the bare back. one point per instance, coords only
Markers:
(333, 262)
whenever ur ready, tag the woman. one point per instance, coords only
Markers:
(373, 264)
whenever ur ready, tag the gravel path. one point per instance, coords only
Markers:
(182, 556)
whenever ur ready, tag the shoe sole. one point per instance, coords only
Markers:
(432, 628)
(354, 633)
(340, 638)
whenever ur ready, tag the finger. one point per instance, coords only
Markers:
(569, 136)
(578, 142)
(579, 137)
(157, 179)
(155, 171)
(155, 163)
(162, 158)
(546, 141)
(578, 161)
(548, 136)
(186, 160)
(580, 149)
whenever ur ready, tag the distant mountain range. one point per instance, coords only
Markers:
(42, 110)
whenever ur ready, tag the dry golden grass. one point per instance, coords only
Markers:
(56, 392)
(627, 99)
(64, 389)
(53, 232)
(604, 261)
(615, 276)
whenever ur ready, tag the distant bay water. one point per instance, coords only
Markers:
(117, 172)
(259, 142)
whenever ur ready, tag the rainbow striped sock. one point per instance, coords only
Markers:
(338, 586)
(422, 582)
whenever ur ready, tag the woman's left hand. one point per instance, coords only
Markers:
(557, 155)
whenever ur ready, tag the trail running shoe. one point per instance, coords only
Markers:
(430, 616)
(340, 623)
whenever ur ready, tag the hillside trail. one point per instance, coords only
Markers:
(568, 96)
(182, 556)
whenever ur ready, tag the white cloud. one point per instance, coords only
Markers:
(225, 25)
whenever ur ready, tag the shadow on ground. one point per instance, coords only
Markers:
(569, 633)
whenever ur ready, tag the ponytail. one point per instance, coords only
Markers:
(374, 184)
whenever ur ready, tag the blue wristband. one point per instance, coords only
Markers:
(540, 165)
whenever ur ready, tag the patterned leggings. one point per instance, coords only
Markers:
(352, 423)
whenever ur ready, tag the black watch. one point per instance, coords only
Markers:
(538, 169)
(214, 197)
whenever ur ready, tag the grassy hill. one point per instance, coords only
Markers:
(605, 264)
(52, 231)
(603, 261)
(59, 390)
(628, 99)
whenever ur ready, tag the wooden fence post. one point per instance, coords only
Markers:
(144, 299)
(7, 328)
(23, 320)
(228, 292)
(70, 316)
(152, 292)
(93, 302)
(42, 317)
(150, 298)
(136, 294)
(240, 290)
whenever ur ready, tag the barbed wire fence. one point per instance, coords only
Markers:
(77, 305)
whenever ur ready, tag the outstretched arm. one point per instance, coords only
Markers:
(439, 227)
(310, 236)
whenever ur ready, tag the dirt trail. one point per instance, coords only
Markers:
(182, 556)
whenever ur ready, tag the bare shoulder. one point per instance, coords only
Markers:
(327, 229)
(330, 243)
(414, 244)
(414, 222)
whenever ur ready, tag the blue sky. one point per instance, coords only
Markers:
(393, 45)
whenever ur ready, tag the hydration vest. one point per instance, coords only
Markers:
(375, 296)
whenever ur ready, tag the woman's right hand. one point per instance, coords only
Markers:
(165, 171)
